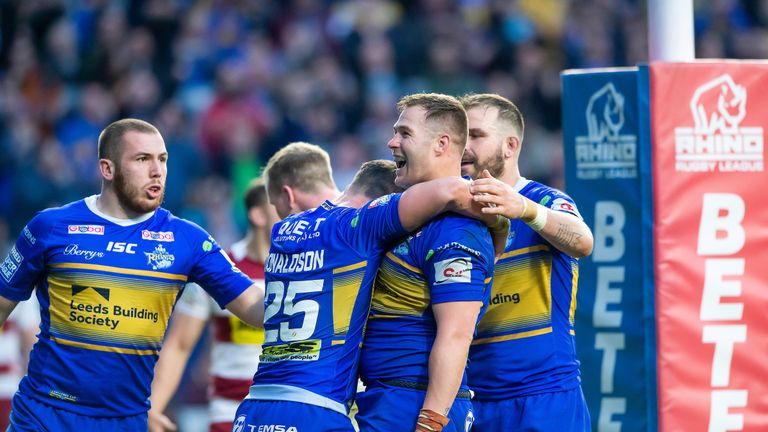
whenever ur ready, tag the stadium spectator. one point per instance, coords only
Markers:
(430, 291)
(108, 269)
(236, 345)
(523, 367)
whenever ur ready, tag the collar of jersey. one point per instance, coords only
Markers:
(520, 184)
(91, 203)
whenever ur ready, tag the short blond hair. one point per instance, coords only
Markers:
(508, 111)
(443, 109)
(111, 138)
(300, 165)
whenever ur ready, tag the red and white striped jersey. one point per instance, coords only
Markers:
(236, 345)
(25, 317)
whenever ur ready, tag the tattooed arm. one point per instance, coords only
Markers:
(567, 233)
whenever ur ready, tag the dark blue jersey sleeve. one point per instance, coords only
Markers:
(25, 262)
(460, 264)
(213, 269)
(374, 226)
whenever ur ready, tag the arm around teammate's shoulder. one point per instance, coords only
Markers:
(423, 201)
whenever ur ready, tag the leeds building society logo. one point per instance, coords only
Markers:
(718, 142)
(159, 258)
(605, 152)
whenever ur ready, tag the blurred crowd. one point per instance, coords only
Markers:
(228, 82)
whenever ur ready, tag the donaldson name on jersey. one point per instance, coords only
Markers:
(524, 343)
(449, 260)
(106, 289)
(319, 275)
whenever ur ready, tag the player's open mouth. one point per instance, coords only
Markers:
(155, 190)
(399, 161)
(466, 162)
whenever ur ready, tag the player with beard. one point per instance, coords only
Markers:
(523, 366)
(430, 290)
(109, 269)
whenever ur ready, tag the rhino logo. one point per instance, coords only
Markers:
(604, 152)
(718, 141)
(605, 114)
(719, 105)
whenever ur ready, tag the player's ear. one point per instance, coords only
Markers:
(289, 196)
(107, 169)
(511, 146)
(443, 144)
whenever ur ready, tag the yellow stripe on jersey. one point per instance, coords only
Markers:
(532, 333)
(398, 292)
(574, 289)
(61, 341)
(402, 263)
(350, 267)
(338, 342)
(116, 281)
(346, 287)
(120, 270)
(520, 296)
(244, 334)
(523, 251)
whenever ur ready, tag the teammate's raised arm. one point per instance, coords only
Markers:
(423, 201)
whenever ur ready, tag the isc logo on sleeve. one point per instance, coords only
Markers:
(454, 270)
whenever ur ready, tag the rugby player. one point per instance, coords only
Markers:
(430, 290)
(108, 270)
(523, 367)
(319, 274)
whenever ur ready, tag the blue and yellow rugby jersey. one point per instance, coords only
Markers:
(106, 288)
(525, 342)
(319, 275)
(448, 260)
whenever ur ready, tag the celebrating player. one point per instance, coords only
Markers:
(523, 367)
(430, 290)
(319, 274)
(108, 269)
